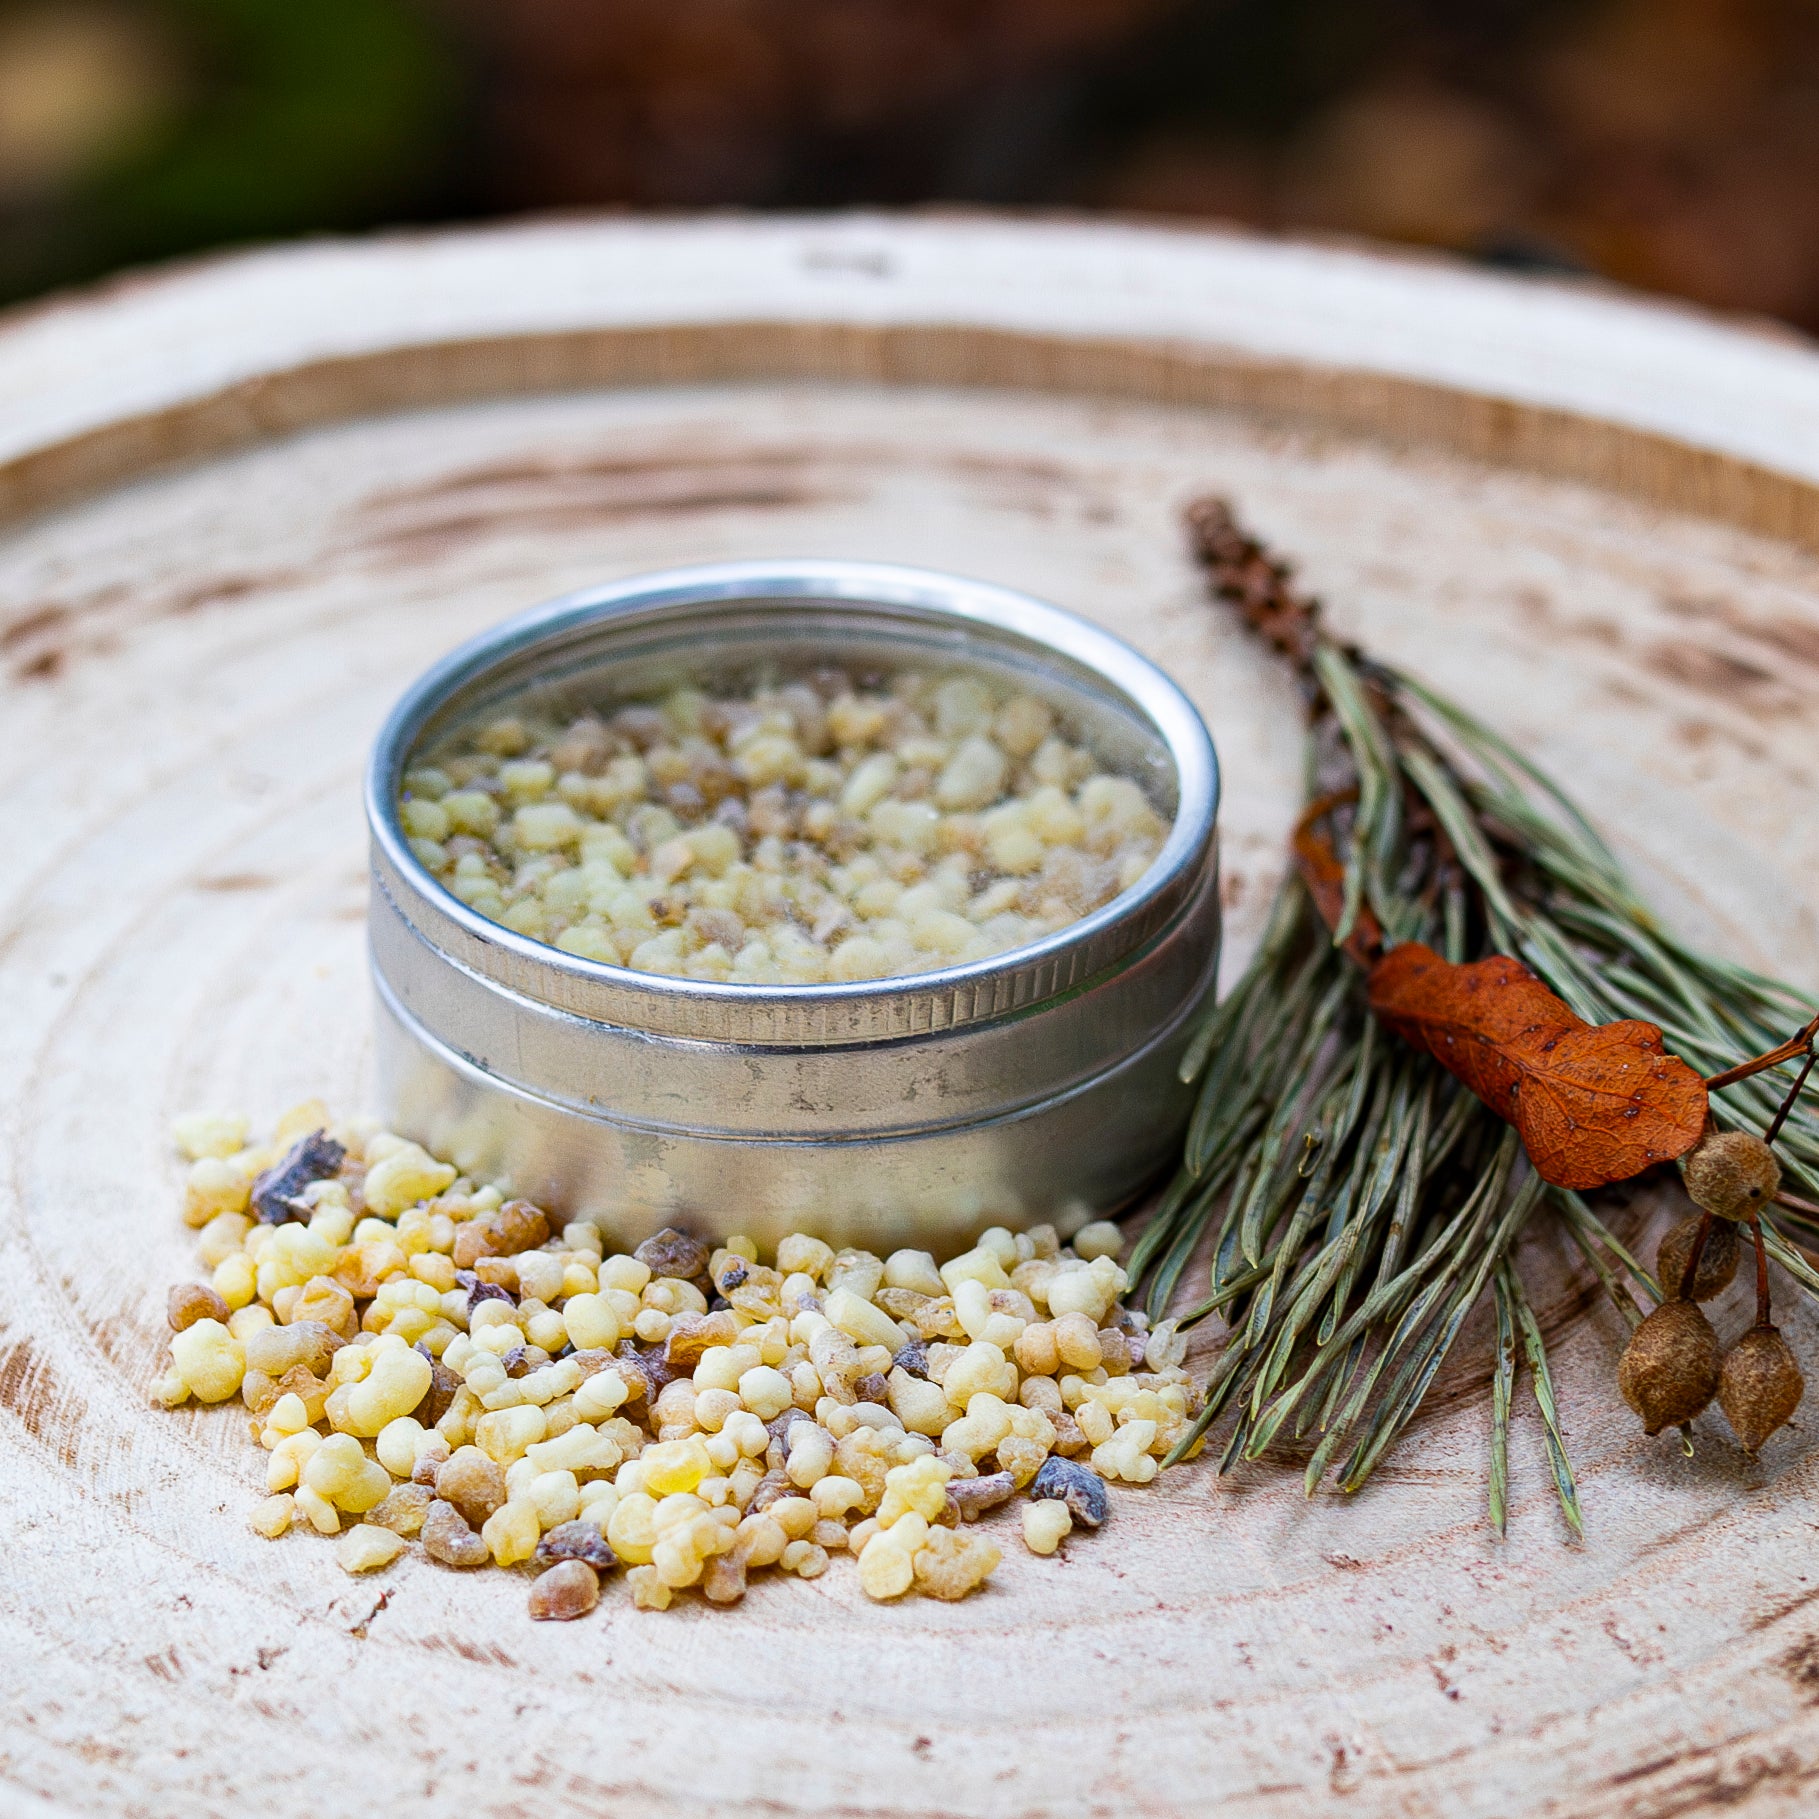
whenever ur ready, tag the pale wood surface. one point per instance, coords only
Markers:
(195, 658)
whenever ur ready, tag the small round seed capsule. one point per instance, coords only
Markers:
(1717, 1261)
(1669, 1369)
(1732, 1174)
(1760, 1386)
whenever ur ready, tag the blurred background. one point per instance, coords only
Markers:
(1669, 144)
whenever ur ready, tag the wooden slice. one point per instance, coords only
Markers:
(249, 501)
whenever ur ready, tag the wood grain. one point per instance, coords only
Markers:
(193, 658)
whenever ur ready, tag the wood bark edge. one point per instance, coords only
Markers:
(1658, 469)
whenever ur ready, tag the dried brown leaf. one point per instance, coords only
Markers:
(1593, 1103)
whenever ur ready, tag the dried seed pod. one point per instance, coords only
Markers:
(1717, 1261)
(1732, 1174)
(1760, 1387)
(1669, 1369)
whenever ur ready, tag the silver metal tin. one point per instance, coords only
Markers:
(1040, 1084)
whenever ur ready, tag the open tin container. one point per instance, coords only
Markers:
(1038, 1084)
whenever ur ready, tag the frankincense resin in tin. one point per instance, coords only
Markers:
(826, 829)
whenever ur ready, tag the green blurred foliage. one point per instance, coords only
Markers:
(262, 118)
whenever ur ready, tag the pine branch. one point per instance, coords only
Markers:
(1357, 1199)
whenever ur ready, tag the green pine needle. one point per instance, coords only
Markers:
(1503, 1383)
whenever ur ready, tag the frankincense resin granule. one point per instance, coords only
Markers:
(433, 1368)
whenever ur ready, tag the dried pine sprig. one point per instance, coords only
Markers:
(1359, 1200)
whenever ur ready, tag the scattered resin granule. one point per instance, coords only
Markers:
(435, 1371)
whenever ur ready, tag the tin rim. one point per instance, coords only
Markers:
(860, 1010)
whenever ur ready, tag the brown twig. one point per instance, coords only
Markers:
(1694, 1255)
(1240, 570)
(1793, 1093)
(1801, 1044)
(1762, 1306)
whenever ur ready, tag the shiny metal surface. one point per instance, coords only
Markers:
(1038, 1084)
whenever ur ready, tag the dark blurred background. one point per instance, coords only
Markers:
(1671, 144)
